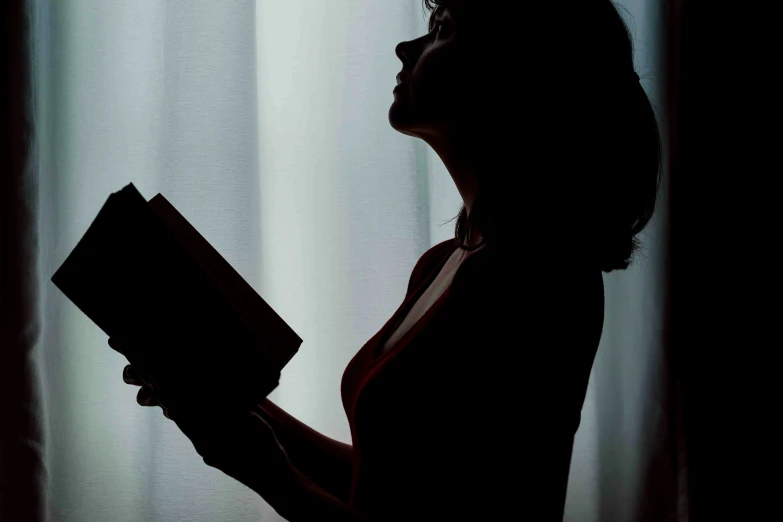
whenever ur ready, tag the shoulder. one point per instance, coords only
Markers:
(505, 284)
(485, 271)
(430, 258)
(493, 268)
(437, 251)
(543, 321)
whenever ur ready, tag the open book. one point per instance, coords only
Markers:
(142, 272)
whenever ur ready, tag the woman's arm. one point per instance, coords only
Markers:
(327, 463)
(307, 502)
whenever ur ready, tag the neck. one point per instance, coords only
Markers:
(461, 167)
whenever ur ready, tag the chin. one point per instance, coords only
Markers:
(396, 116)
(400, 118)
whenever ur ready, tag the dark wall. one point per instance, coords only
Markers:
(721, 292)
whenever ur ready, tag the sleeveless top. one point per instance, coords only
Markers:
(420, 304)
(472, 411)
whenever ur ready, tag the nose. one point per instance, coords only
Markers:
(406, 53)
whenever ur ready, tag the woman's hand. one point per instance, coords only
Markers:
(242, 445)
(146, 396)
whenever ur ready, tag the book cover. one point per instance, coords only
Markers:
(141, 271)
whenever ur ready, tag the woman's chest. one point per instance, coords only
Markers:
(426, 300)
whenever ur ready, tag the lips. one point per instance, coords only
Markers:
(401, 78)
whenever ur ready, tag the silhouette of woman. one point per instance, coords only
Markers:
(465, 404)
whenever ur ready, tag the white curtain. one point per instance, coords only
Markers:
(265, 123)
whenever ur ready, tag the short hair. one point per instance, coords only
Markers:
(597, 162)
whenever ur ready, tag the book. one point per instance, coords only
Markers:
(143, 272)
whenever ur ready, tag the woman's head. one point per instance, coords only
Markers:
(543, 98)
(432, 93)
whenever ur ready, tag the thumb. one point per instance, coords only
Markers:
(124, 346)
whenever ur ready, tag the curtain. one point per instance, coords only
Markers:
(265, 123)
(22, 483)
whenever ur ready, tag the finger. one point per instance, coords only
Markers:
(118, 344)
(130, 375)
(139, 375)
(146, 396)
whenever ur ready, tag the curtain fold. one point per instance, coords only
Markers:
(265, 123)
(22, 471)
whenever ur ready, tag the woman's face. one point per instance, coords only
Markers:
(432, 83)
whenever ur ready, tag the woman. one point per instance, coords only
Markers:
(465, 404)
